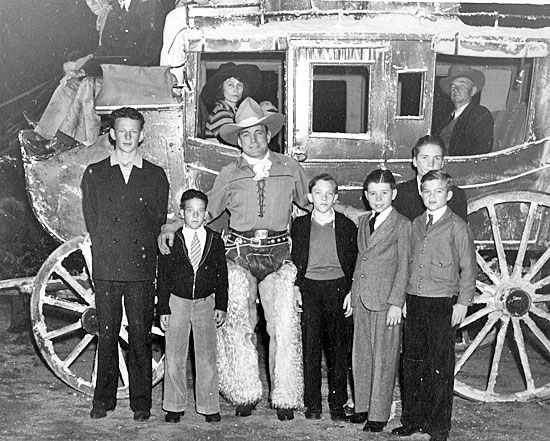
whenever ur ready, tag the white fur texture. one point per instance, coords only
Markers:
(238, 369)
(288, 384)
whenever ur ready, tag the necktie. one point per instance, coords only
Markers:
(196, 252)
(372, 220)
(430, 222)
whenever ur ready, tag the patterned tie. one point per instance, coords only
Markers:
(430, 222)
(372, 221)
(196, 252)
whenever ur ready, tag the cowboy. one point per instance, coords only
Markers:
(258, 189)
(469, 130)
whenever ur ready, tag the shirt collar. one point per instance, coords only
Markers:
(437, 214)
(459, 111)
(137, 161)
(323, 222)
(189, 233)
(383, 215)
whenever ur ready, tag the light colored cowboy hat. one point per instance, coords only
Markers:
(462, 71)
(248, 74)
(249, 114)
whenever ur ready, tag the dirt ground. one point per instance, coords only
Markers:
(36, 405)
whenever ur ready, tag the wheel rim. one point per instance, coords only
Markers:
(513, 287)
(64, 321)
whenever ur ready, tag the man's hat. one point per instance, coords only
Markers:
(248, 74)
(249, 114)
(462, 71)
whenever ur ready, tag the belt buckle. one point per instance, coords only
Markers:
(261, 234)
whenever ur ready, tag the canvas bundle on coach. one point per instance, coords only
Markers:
(136, 86)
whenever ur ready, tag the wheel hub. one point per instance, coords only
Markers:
(90, 322)
(517, 302)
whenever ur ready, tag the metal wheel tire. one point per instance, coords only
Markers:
(512, 237)
(64, 321)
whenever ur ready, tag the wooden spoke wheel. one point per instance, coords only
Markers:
(65, 325)
(512, 237)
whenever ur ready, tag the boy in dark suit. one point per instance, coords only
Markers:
(378, 294)
(428, 154)
(124, 201)
(192, 295)
(324, 251)
(441, 286)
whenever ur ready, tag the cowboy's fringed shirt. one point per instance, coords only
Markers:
(264, 204)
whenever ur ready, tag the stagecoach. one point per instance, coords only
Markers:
(358, 84)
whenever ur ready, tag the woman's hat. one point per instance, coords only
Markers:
(249, 114)
(248, 74)
(462, 71)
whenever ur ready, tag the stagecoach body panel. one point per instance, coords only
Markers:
(357, 89)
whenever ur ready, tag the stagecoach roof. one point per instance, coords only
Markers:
(450, 35)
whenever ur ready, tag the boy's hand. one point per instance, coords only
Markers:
(348, 310)
(297, 299)
(393, 318)
(166, 237)
(404, 310)
(459, 314)
(164, 321)
(219, 317)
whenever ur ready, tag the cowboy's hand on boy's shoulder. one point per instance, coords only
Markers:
(165, 239)
(164, 321)
(459, 314)
(297, 299)
(348, 309)
(219, 317)
(393, 317)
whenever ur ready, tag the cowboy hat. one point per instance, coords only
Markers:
(249, 114)
(248, 74)
(462, 71)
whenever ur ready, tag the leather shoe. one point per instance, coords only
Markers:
(141, 415)
(285, 414)
(213, 418)
(97, 413)
(244, 410)
(313, 414)
(374, 426)
(357, 418)
(173, 417)
(405, 431)
(337, 414)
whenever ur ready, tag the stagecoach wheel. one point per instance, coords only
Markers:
(64, 321)
(512, 238)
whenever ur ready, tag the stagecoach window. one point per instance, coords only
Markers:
(409, 93)
(340, 99)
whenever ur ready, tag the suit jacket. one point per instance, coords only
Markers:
(409, 202)
(124, 220)
(382, 268)
(472, 133)
(346, 245)
(444, 259)
(177, 277)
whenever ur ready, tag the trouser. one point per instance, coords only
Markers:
(375, 359)
(196, 315)
(428, 364)
(269, 270)
(325, 326)
(138, 302)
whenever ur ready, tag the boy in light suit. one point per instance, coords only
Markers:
(378, 294)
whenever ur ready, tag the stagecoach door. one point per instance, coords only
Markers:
(337, 99)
